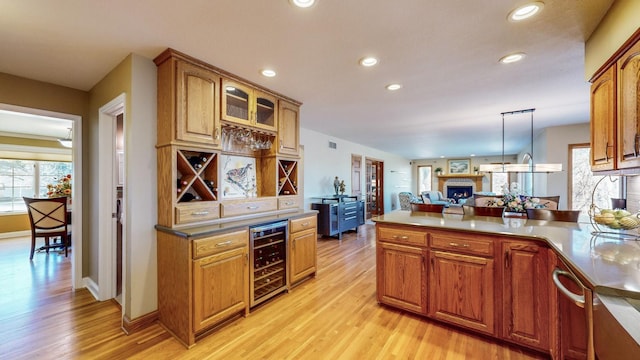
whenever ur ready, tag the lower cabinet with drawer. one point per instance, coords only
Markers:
(202, 282)
(302, 248)
(494, 285)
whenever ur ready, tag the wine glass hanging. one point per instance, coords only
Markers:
(245, 137)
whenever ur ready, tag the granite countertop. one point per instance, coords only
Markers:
(199, 231)
(610, 264)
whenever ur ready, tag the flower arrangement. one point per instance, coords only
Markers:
(61, 188)
(516, 202)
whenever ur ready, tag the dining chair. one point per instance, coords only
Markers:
(553, 215)
(494, 211)
(549, 202)
(48, 218)
(430, 208)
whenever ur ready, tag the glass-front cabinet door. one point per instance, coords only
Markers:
(265, 111)
(245, 105)
(236, 102)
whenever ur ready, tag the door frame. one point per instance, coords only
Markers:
(76, 159)
(107, 197)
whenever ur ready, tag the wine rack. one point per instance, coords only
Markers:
(268, 258)
(197, 176)
(287, 177)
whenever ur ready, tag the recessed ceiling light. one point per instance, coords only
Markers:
(303, 3)
(368, 61)
(472, 155)
(268, 73)
(526, 11)
(393, 87)
(511, 58)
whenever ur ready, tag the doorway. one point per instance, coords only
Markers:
(374, 176)
(112, 199)
(356, 175)
(76, 159)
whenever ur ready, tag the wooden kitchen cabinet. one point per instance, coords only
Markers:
(461, 290)
(628, 110)
(201, 282)
(248, 106)
(289, 128)
(302, 248)
(526, 284)
(220, 287)
(188, 102)
(603, 121)
(402, 277)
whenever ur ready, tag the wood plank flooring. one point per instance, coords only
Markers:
(333, 316)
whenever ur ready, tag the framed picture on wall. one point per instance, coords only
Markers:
(459, 167)
(238, 176)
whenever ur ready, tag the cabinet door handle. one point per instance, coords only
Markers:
(289, 203)
(432, 264)
(216, 134)
(252, 207)
(305, 224)
(506, 259)
(403, 237)
(224, 243)
(294, 244)
(200, 213)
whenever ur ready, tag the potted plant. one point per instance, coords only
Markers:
(476, 169)
(438, 171)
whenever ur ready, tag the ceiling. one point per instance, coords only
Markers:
(444, 53)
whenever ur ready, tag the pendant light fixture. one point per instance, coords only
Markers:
(66, 142)
(532, 167)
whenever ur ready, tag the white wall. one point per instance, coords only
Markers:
(322, 165)
(556, 150)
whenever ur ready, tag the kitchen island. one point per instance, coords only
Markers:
(494, 275)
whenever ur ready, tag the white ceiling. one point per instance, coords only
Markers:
(445, 53)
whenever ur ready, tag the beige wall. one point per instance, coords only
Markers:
(620, 22)
(116, 82)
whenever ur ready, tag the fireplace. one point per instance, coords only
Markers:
(459, 192)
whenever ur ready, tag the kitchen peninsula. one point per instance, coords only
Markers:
(494, 276)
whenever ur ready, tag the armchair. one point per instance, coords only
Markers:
(406, 198)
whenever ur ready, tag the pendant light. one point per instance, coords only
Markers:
(66, 142)
(532, 167)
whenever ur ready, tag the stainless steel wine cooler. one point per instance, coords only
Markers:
(268, 255)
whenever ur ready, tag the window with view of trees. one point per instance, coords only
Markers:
(28, 178)
(583, 182)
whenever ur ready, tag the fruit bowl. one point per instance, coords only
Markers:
(616, 219)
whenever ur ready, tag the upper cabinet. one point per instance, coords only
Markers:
(188, 103)
(248, 106)
(288, 134)
(603, 121)
(629, 108)
(615, 111)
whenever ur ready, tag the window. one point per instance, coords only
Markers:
(498, 180)
(28, 178)
(424, 178)
(582, 182)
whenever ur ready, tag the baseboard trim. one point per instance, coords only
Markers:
(139, 323)
(8, 235)
(92, 287)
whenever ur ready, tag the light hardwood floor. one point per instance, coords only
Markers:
(333, 316)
